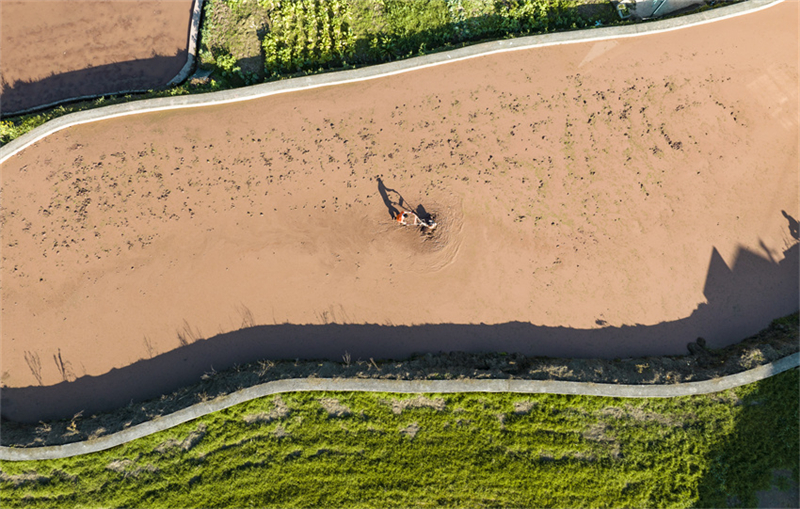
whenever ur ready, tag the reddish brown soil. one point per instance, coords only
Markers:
(617, 198)
(57, 50)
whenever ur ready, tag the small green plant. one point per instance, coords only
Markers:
(307, 35)
(227, 63)
(8, 131)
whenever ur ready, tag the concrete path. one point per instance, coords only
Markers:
(399, 386)
(194, 34)
(378, 71)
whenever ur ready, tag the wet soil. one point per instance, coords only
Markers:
(777, 341)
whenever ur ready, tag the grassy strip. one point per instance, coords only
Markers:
(245, 42)
(313, 35)
(300, 37)
(510, 450)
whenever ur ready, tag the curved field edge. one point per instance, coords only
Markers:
(231, 77)
(339, 449)
(704, 372)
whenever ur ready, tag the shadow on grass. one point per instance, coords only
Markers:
(765, 438)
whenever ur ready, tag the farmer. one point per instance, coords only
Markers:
(403, 216)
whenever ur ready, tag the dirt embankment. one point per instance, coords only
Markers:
(777, 341)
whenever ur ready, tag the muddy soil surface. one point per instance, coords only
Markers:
(57, 50)
(596, 200)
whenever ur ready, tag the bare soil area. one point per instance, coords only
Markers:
(609, 199)
(777, 341)
(57, 50)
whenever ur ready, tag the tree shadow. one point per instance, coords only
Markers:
(741, 300)
(794, 227)
(120, 77)
(764, 439)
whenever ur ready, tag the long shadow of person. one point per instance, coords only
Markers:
(384, 191)
(794, 226)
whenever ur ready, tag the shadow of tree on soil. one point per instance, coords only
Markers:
(119, 77)
(742, 300)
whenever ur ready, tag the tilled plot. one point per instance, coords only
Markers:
(611, 199)
(59, 50)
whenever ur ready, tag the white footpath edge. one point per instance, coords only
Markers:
(399, 386)
(378, 71)
(194, 31)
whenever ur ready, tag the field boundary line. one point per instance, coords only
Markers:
(379, 71)
(194, 34)
(399, 386)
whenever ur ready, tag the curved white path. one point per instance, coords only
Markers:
(399, 386)
(378, 71)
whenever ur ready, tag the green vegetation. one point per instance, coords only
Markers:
(307, 36)
(313, 35)
(467, 450)
(296, 37)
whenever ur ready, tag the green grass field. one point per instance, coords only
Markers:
(465, 450)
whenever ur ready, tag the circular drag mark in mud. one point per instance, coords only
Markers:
(437, 249)
(430, 251)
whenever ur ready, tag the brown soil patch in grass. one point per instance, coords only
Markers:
(186, 444)
(411, 430)
(401, 405)
(129, 468)
(334, 408)
(783, 494)
(279, 411)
